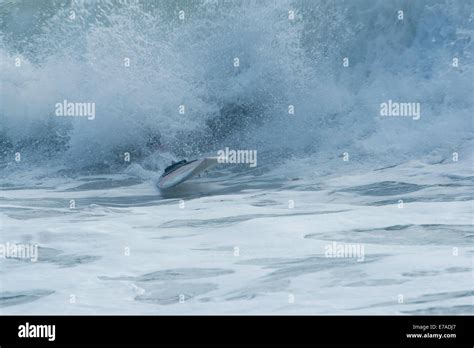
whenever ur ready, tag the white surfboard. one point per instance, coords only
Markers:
(187, 171)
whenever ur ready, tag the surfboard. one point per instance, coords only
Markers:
(185, 172)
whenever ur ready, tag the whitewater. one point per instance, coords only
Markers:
(348, 210)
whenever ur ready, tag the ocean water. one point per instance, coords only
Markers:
(395, 193)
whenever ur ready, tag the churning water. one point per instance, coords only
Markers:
(302, 83)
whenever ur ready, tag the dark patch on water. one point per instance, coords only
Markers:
(426, 234)
(430, 273)
(458, 269)
(385, 188)
(376, 282)
(426, 298)
(175, 236)
(416, 274)
(313, 264)
(269, 262)
(396, 227)
(105, 184)
(12, 187)
(169, 293)
(224, 248)
(286, 269)
(12, 298)
(388, 167)
(29, 203)
(441, 296)
(460, 197)
(92, 179)
(31, 213)
(125, 201)
(231, 220)
(57, 257)
(460, 177)
(264, 203)
(175, 274)
(258, 288)
(456, 310)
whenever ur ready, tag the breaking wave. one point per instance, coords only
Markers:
(236, 68)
